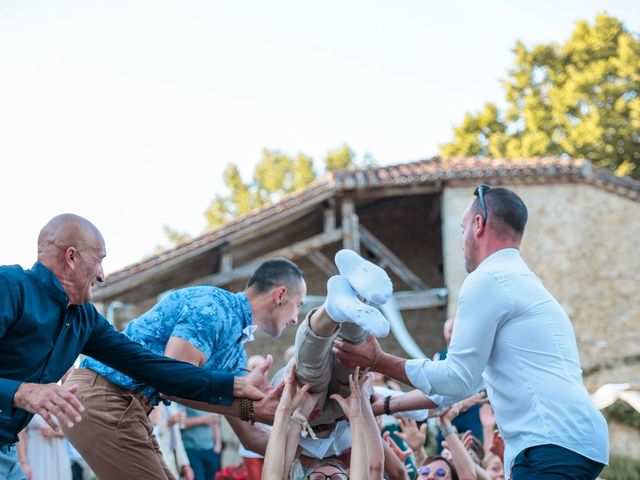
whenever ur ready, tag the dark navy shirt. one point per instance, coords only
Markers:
(41, 336)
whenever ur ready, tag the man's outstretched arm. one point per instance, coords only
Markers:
(169, 376)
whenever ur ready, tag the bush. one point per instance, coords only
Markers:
(621, 468)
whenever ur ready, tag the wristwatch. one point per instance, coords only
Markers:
(447, 430)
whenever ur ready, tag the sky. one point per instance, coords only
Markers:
(127, 112)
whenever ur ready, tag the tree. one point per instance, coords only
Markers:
(580, 99)
(276, 174)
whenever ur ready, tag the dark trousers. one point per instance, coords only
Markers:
(205, 463)
(551, 462)
(77, 471)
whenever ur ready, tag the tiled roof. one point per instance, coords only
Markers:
(432, 171)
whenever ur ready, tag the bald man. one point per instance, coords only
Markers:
(47, 320)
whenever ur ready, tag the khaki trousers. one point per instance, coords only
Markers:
(115, 435)
(316, 364)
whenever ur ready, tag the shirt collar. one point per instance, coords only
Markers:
(247, 317)
(50, 282)
(502, 254)
(247, 333)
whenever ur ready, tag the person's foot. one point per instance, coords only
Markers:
(366, 278)
(343, 305)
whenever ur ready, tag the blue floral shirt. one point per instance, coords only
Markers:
(215, 321)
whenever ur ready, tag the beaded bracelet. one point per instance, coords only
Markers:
(246, 410)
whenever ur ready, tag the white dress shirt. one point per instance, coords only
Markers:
(512, 333)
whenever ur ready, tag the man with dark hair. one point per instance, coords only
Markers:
(511, 333)
(205, 326)
(278, 271)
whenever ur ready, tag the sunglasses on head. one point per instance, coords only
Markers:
(426, 470)
(479, 192)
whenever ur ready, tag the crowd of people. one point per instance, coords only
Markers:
(334, 410)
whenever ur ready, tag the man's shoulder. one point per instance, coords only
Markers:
(199, 291)
(13, 278)
(12, 272)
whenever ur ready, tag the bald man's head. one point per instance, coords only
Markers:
(67, 230)
(73, 249)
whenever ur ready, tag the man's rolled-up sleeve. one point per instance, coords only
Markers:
(168, 376)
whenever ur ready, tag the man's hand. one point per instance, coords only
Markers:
(265, 409)
(364, 355)
(254, 385)
(50, 399)
(377, 403)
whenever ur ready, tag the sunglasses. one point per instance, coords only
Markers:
(426, 470)
(324, 476)
(479, 192)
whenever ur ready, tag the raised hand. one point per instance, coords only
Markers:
(448, 415)
(487, 418)
(352, 406)
(254, 385)
(411, 434)
(497, 445)
(401, 454)
(467, 439)
(292, 396)
(265, 409)
(50, 400)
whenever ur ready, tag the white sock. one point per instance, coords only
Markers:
(342, 305)
(366, 278)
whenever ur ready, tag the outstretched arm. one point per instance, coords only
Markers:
(353, 408)
(461, 459)
(176, 378)
(275, 465)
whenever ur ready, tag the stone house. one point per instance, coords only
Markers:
(581, 240)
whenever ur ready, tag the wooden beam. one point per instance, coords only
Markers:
(226, 261)
(253, 230)
(408, 300)
(394, 263)
(325, 265)
(330, 216)
(351, 233)
(297, 250)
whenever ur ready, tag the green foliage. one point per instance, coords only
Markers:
(580, 98)
(621, 468)
(621, 412)
(276, 174)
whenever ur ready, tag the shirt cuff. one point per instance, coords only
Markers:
(415, 373)
(8, 390)
(221, 388)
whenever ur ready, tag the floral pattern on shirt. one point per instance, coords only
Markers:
(211, 319)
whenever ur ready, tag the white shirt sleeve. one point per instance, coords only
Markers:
(482, 305)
